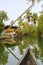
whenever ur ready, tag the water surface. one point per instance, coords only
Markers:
(15, 48)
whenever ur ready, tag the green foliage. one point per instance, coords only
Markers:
(31, 29)
(3, 55)
(25, 28)
(20, 21)
(28, 14)
(34, 17)
(40, 24)
(3, 17)
(33, 1)
(1, 28)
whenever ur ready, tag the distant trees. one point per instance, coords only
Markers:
(33, 1)
(34, 18)
(26, 28)
(24, 25)
(40, 24)
(3, 55)
(3, 17)
(28, 13)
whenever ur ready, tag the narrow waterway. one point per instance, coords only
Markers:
(13, 50)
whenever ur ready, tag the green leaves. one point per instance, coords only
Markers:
(3, 14)
(20, 21)
(33, 1)
(40, 24)
(34, 17)
(3, 17)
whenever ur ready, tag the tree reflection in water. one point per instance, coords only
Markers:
(40, 44)
(36, 45)
(25, 42)
(3, 55)
(38, 49)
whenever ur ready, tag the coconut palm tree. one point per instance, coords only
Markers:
(33, 1)
(3, 17)
(34, 18)
(40, 25)
(28, 15)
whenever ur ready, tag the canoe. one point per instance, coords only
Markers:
(2, 37)
(28, 58)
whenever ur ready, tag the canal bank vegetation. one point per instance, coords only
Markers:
(3, 18)
(30, 24)
(40, 25)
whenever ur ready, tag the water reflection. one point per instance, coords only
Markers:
(3, 55)
(38, 50)
(18, 47)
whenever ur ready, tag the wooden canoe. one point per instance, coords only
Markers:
(28, 59)
(5, 37)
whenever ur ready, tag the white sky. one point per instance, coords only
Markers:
(15, 7)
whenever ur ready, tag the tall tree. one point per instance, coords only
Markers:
(3, 17)
(33, 1)
(28, 15)
(34, 18)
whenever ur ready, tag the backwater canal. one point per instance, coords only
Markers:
(13, 49)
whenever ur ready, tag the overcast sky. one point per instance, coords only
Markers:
(15, 7)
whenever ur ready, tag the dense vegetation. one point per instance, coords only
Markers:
(3, 17)
(31, 23)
